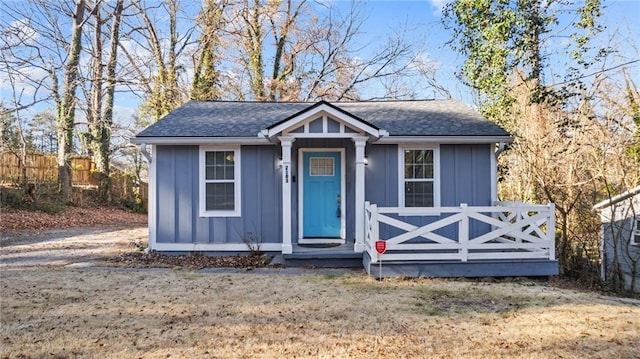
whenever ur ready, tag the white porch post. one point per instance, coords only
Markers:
(286, 143)
(360, 143)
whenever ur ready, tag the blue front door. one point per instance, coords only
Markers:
(321, 195)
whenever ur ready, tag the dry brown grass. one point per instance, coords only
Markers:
(67, 312)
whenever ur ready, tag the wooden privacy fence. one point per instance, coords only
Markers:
(43, 168)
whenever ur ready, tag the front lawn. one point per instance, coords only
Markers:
(164, 313)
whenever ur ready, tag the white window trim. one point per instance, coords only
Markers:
(237, 185)
(333, 170)
(635, 230)
(436, 172)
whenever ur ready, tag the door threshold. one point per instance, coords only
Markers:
(321, 241)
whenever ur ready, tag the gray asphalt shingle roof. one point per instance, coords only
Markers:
(247, 119)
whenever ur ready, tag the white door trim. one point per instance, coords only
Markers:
(343, 196)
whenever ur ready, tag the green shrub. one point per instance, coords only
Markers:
(135, 204)
(11, 198)
(46, 199)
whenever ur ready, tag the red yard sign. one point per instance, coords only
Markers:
(381, 247)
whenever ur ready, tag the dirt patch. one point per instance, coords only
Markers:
(434, 301)
(61, 247)
(94, 236)
(108, 246)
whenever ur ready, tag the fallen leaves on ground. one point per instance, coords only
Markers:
(18, 220)
(196, 261)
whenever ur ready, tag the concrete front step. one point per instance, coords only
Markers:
(309, 256)
(323, 260)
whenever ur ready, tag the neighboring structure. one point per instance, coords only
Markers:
(620, 262)
(293, 176)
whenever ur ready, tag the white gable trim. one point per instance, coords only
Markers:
(323, 110)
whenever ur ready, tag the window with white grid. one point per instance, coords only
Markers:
(321, 166)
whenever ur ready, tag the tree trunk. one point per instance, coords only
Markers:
(206, 86)
(66, 111)
(253, 46)
(171, 94)
(564, 250)
(100, 122)
(94, 118)
(107, 123)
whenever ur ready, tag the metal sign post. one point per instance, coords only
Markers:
(381, 247)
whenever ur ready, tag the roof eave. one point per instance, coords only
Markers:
(619, 198)
(477, 139)
(200, 140)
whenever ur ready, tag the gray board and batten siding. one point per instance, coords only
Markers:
(465, 172)
(620, 217)
(622, 249)
(178, 219)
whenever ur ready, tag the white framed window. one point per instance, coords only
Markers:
(635, 234)
(419, 176)
(321, 166)
(219, 181)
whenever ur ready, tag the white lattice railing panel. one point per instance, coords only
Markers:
(507, 231)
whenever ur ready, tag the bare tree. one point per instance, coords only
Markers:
(206, 77)
(100, 97)
(23, 56)
(155, 56)
(66, 103)
(333, 68)
(45, 48)
(290, 51)
(12, 124)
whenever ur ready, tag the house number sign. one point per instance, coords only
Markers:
(286, 174)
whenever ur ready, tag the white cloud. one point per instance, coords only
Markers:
(25, 80)
(123, 114)
(19, 32)
(438, 5)
(423, 63)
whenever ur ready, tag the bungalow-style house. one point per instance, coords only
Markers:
(296, 178)
(620, 242)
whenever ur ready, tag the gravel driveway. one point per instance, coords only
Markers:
(67, 247)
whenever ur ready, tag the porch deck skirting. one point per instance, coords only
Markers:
(509, 239)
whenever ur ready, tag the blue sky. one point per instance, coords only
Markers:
(422, 19)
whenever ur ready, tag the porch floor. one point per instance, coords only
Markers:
(469, 269)
(343, 256)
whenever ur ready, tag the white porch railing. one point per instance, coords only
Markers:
(505, 231)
